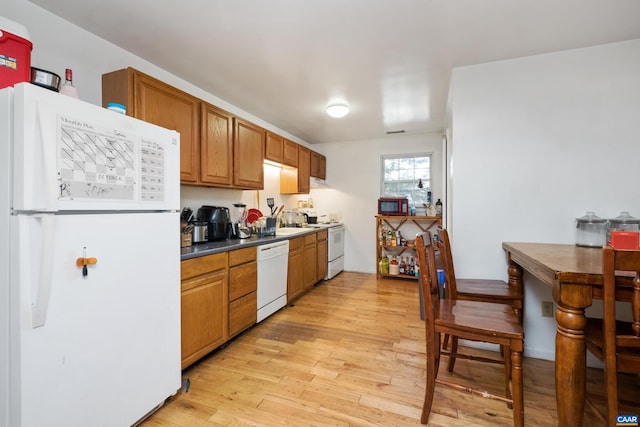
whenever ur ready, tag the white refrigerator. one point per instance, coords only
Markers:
(89, 263)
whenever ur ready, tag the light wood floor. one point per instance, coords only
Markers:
(351, 353)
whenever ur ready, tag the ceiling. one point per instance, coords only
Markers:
(391, 60)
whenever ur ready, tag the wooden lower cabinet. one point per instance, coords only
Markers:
(295, 277)
(204, 296)
(243, 284)
(219, 292)
(323, 255)
(310, 260)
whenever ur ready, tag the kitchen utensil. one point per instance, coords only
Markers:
(186, 215)
(46, 79)
(271, 203)
(592, 230)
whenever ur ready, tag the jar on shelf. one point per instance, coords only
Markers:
(384, 265)
(394, 267)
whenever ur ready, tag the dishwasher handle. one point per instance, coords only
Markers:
(273, 250)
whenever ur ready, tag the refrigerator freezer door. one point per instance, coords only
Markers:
(70, 155)
(107, 349)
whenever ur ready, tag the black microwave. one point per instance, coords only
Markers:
(393, 206)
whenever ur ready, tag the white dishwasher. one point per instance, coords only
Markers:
(273, 260)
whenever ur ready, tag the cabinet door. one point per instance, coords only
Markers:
(295, 277)
(290, 153)
(158, 103)
(323, 256)
(243, 313)
(318, 165)
(248, 155)
(310, 260)
(203, 315)
(216, 147)
(304, 169)
(273, 147)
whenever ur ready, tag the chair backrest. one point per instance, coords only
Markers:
(620, 261)
(428, 276)
(444, 247)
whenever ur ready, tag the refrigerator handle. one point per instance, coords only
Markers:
(40, 304)
(49, 161)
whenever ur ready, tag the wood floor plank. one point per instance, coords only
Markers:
(351, 352)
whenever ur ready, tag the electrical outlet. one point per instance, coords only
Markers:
(547, 308)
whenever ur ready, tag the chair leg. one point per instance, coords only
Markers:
(445, 342)
(506, 353)
(516, 383)
(454, 350)
(611, 393)
(430, 385)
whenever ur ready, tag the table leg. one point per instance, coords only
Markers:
(571, 359)
(515, 280)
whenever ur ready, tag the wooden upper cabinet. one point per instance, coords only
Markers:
(248, 155)
(318, 165)
(304, 169)
(290, 153)
(296, 180)
(216, 146)
(156, 102)
(273, 147)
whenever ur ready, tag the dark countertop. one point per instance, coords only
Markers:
(210, 248)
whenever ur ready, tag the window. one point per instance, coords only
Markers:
(407, 176)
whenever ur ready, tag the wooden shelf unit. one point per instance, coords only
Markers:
(396, 223)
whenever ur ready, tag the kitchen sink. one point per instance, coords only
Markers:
(289, 231)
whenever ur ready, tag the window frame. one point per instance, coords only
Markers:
(428, 186)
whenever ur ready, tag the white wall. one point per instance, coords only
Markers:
(537, 142)
(354, 174)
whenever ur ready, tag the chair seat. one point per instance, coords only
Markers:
(594, 337)
(474, 319)
(494, 289)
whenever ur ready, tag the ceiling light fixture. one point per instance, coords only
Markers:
(338, 110)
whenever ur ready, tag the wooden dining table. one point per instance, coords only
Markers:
(574, 274)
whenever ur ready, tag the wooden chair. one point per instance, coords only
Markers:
(487, 290)
(615, 342)
(469, 320)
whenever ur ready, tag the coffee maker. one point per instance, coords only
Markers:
(219, 222)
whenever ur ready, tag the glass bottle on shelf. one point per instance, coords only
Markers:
(384, 265)
(67, 87)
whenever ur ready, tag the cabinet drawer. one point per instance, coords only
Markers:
(296, 243)
(243, 313)
(198, 266)
(310, 239)
(322, 235)
(242, 256)
(242, 280)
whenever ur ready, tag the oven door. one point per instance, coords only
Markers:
(335, 239)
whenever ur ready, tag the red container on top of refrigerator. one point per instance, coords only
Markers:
(15, 53)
